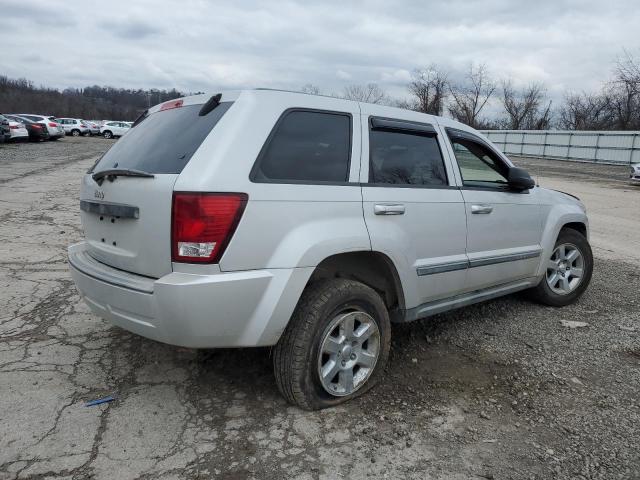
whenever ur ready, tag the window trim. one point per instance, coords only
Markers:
(398, 125)
(405, 127)
(454, 132)
(263, 151)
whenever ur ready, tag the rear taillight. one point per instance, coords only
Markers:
(51, 124)
(202, 225)
(37, 127)
(14, 127)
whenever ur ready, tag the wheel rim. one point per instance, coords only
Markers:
(348, 353)
(75, 133)
(565, 269)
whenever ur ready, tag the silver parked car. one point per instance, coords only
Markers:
(309, 223)
(634, 176)
(74, 126)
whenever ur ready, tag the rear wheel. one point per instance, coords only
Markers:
(107, 134)
(335, 347)
(568, 270)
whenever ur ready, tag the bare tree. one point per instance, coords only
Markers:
(624, 93)
(369, 93)
(429, 89)
(525, 109)
(471, 95)
(310, 89)
(586, 111)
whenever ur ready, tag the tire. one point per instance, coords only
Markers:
(107, 134)
(297, 359)
(75, 133)
(544, 293)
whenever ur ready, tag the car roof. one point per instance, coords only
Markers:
(292, 97)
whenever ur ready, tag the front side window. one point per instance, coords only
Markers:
(479, 166)
(405, 158)
(306, 147)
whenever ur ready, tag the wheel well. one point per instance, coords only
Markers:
(371, 268)
(577, 226)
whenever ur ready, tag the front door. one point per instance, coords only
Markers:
(413, 210)
(503, 226)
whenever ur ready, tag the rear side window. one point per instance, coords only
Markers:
(164, 142)
(306, 147)
(405, 158)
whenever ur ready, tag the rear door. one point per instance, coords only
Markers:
(127, 220)
(503, 226)
(412, 207)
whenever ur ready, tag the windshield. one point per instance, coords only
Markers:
(164, 142)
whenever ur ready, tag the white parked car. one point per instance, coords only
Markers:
(635, 173)
(18, 131)
(309, 223)
(114, 129)
(74, 126)
(54, 128)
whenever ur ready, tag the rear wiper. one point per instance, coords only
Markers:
(118, 172)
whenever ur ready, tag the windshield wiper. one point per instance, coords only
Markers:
(119, 172)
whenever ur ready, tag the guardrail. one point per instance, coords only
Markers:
(621, 148)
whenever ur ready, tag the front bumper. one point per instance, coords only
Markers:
(235, 309)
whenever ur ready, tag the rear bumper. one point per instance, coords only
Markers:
(236, 309)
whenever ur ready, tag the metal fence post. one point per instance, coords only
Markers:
(569, 144)
(595, 158)
(633, 147)
(544, 145)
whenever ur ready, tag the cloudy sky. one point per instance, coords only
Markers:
(199, 45)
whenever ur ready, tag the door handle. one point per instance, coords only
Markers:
(481, 209)
(389, 209)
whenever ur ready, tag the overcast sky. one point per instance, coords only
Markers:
(198, 45)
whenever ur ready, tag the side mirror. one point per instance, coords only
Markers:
(519, 179)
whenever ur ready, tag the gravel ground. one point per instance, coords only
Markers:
(500, 390)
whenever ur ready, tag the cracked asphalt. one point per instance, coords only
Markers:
(499, 390)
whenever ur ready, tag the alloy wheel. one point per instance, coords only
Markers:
(565, 269)
(348, 353)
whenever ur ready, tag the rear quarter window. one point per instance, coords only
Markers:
(164, 142)
(306, 146)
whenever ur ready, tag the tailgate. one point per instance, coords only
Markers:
(127, 219)
(127, 222)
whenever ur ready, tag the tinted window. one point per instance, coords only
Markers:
(307, 147)
(398, 157)
(479, 166)
(164, 141)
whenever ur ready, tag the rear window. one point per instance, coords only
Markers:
(306, 147)
(164, 142)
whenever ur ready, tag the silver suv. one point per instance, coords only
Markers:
(260, 218)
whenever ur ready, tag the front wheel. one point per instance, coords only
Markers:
(336, 345)
(568, 270)
(107, 134)
(75, 133)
